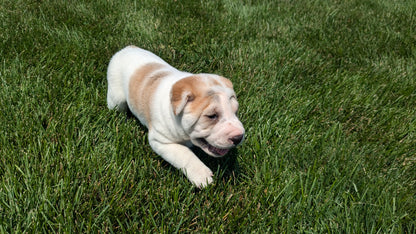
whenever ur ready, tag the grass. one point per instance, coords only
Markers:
(327, 94)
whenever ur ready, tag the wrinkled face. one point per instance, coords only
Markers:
(207, 106)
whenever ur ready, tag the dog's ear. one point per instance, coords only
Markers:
(181, 94)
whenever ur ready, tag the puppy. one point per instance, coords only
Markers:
(179, 109)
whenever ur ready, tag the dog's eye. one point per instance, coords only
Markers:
(212, 116)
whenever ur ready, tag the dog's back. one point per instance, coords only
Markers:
(122, 66)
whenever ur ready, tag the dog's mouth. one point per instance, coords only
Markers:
(211, 149)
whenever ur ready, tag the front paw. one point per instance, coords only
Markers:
(200, 176)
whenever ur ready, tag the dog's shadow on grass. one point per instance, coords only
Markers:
(225, 169)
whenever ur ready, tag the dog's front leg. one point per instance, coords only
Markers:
(183, 158)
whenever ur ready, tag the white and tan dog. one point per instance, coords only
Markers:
(178, 108)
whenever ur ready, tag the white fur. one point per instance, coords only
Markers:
(169, 134)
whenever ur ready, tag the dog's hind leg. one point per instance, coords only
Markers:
(116, 97)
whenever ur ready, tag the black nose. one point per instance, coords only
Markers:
(237, 139)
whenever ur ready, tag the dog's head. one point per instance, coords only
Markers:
(206, 106)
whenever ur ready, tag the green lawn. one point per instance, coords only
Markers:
(327, 93)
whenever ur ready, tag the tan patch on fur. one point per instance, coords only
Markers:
(190, 86)
(200, 104)
(142, 86)
(214, 82)
(195, 92)
(226, 82)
